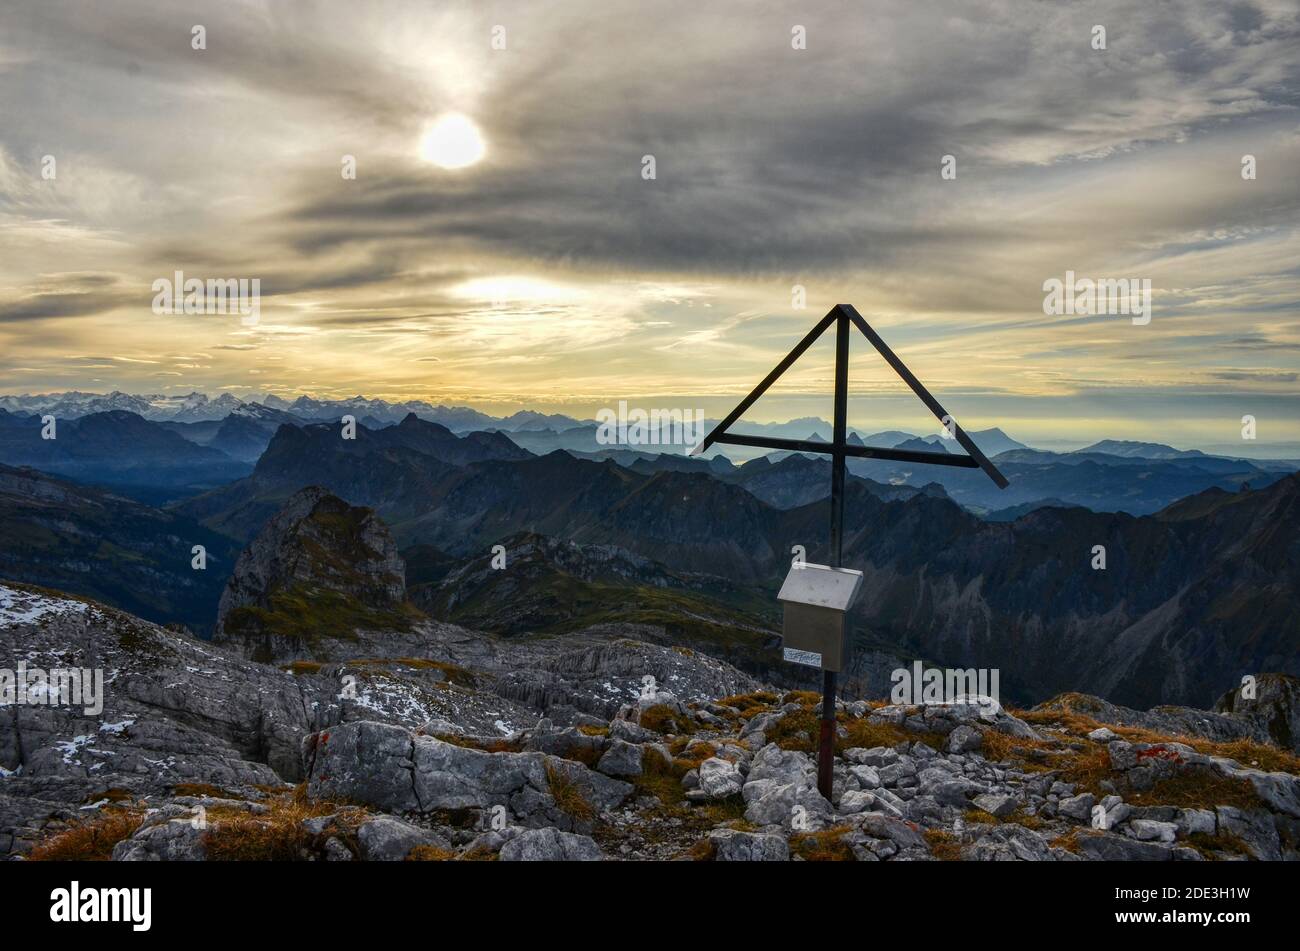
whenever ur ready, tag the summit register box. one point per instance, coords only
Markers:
(816, 598)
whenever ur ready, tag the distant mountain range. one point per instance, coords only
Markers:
(199, 408)
(167, 448)
(1193, 596)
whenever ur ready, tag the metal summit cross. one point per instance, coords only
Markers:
(842, 315)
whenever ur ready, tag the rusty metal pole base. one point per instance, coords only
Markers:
(826, 737)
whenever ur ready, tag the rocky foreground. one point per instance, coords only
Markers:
(456, 745)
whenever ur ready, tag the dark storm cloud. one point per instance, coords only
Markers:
(824, 158)
(768, 158)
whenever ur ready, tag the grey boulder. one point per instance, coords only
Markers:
(731, 845)
(550, 845)
(720, 779)
(386, 839)
(621, 759)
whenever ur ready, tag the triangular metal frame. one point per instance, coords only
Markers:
(838, 446)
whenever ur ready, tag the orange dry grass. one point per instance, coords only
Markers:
(568, 796)
(277, 835)
(1247, 752)
(484, 744)
(90, 840)
(429, 853)
(943, 845)
(750, 702)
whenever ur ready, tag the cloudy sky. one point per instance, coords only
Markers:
(553, 274)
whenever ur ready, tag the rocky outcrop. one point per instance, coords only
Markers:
(316, 573)
(1271, 705)
(549, 845)
(596, 677)
(176, 710)
(407, 758)
(1271, 714)
(399, 771)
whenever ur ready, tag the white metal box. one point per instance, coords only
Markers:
(816, 598)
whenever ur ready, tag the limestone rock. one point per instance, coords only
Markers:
(549, 845)
(621, 759)
(731, 845)
(386, 839)
(719, 778)
(996, 805)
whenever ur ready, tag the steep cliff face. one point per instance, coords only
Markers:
(102, 545)
(1271, 703)
(319, 571)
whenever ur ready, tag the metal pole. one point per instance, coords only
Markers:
(826, 736)
(839, 440)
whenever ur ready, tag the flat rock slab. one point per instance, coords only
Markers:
(390, 768)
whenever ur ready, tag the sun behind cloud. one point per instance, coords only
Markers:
(453, 141)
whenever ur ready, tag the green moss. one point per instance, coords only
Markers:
(308, 614)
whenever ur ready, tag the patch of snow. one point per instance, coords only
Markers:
(24, 607)
(71, 747)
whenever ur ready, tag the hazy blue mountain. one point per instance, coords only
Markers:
(395, 470)
(1013, 512)
(991, 442)
(115, 448)
(1102, 483)
(1142, 450)
(1191, 598)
